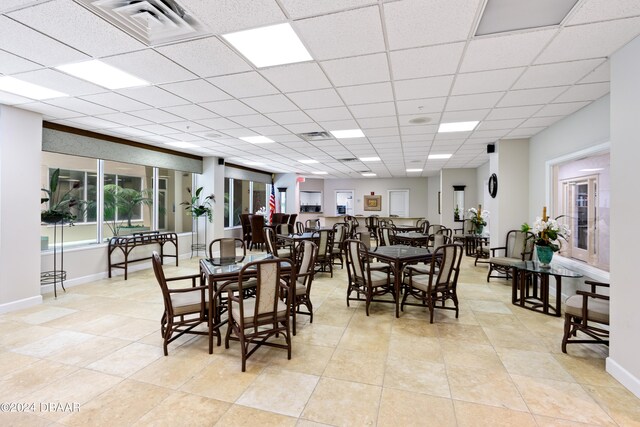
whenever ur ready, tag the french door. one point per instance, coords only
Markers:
(580, 203)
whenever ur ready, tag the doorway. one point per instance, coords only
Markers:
(580, 202)
(344, 202)
(399, 203)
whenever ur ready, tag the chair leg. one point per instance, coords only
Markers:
(567, 332)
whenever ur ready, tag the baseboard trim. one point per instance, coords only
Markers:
(20, 304)
(623, 376)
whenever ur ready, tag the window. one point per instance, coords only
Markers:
(242, 196)
(582, 194)
(172, 190)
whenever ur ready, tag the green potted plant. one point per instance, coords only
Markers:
(196, 207)
(547, 233)
(60, 204)
(124, 201)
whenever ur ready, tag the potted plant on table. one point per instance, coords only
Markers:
(60, 204)
(547, 234)
(478, 218)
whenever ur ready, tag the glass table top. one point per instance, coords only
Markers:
(400, 251)
(536, 267)
(229, 265)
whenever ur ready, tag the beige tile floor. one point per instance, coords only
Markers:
(98, 345)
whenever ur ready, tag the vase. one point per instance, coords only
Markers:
(545, 255)
(479, 229)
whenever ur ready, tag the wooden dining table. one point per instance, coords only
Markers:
(399, 256)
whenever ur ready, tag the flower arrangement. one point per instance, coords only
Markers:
(478, 217)
(196, 207)
(262, 211)
(548, 231)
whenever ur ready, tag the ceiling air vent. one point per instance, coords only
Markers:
(314, 136)
(347, 160)
(153, 22)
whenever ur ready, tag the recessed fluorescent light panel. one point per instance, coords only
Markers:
(368, 174)
(102, 74)
(512, 15)
(414, 170)
(439, 156)
(269, 46)
(257, 139)
(369, 159)
(28, 90)
(181, 144)
(349, 133)
(457, 126)
(320, 173)
(308, 161)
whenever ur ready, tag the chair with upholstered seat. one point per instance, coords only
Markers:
(325, 250)
(518, 247)
(299, 227)
(363, 280)
(254, 321)
(311, 225)
(586, 312)
(440, 284)
(184, 308)
(386, 236)
(440, 238)
(306, 253)
(340, 234)
(466, 229)
(227, 247)
(273, 247)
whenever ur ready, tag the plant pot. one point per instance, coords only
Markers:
(479, 229)
(51, 217)
(545, 255)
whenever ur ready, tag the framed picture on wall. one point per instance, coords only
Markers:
(372, 203)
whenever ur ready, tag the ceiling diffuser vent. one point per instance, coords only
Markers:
(153, 22)
(315, 136)
(348, 160)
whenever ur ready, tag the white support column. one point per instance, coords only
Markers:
(212, 180)
(20, 159)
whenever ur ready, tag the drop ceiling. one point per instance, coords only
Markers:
(377, 65)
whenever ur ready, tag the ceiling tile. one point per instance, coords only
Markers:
(421, 106)
(157, 129)
(601, 10)
(150, 66)
(205, 57)
(464, 116)
(504, 51)
(486, 81)
(499, 124)
(77, 27)
(316, 99)
(523, 132)
(227, 16)
(358, 70)
(253, 120)
(153, 95)
(390, 131)
(190, 112)
(10, 64)
(423, 88)
(80, 105)
(406, 120)
(562, 73)
(196, 91)
(34, 46)
(512, 112)
(473, 102)
(600, 74)
(560, 109)
(304, 127)
(366, 94)
(270, 103)
(540, 121)
(373, 110)
(188, 126)
(50, 110)
(304, 8)
(56, 80)
(219, 123)
(331, 125)
(531, 96)
(270, 130)
(340, 34)
(426, 61)
(228, 108)
(116, 101)
(156, 116)
(585, 92)
(326, 114)
(129, 132)
(244, 85)
(93, 123)
(378, 122)
(125, 119)
(447, 20)
(289, 117)
(297, 77)
(590, 40)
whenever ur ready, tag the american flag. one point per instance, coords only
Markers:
(272, 203)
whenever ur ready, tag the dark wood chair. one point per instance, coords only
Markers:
(226, 247)
(257, 231)
(273, 247)
(292, 221)
(276, 218)
(311, 225)
(254, 321)
(340, 234)
(518, 247)
(586, 312)
(324, 259)
(307, 252)
(440, 284)
(185, 308)
(245, 222)
(466, 229)
(362, 279)
(299, 227)
(386, 236)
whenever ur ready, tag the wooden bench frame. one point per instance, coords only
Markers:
(126, 244)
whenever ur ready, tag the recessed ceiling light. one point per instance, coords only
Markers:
(102, 74)
(439, 156)
(28, 90)
(414, 170)
(253, 163)
(512, 15)
(457, 126)
(420, 120)
(368, 174)
(257, 139)
(349, 133)
(591, 170)
(268, 46)
(369, 159)
(181, 144)
(320, 173)
(308, 161)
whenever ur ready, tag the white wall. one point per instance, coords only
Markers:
(449, 178)
(624, 354)
(482, 178)
(418, 204)
(20, 158)
(433, 188)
